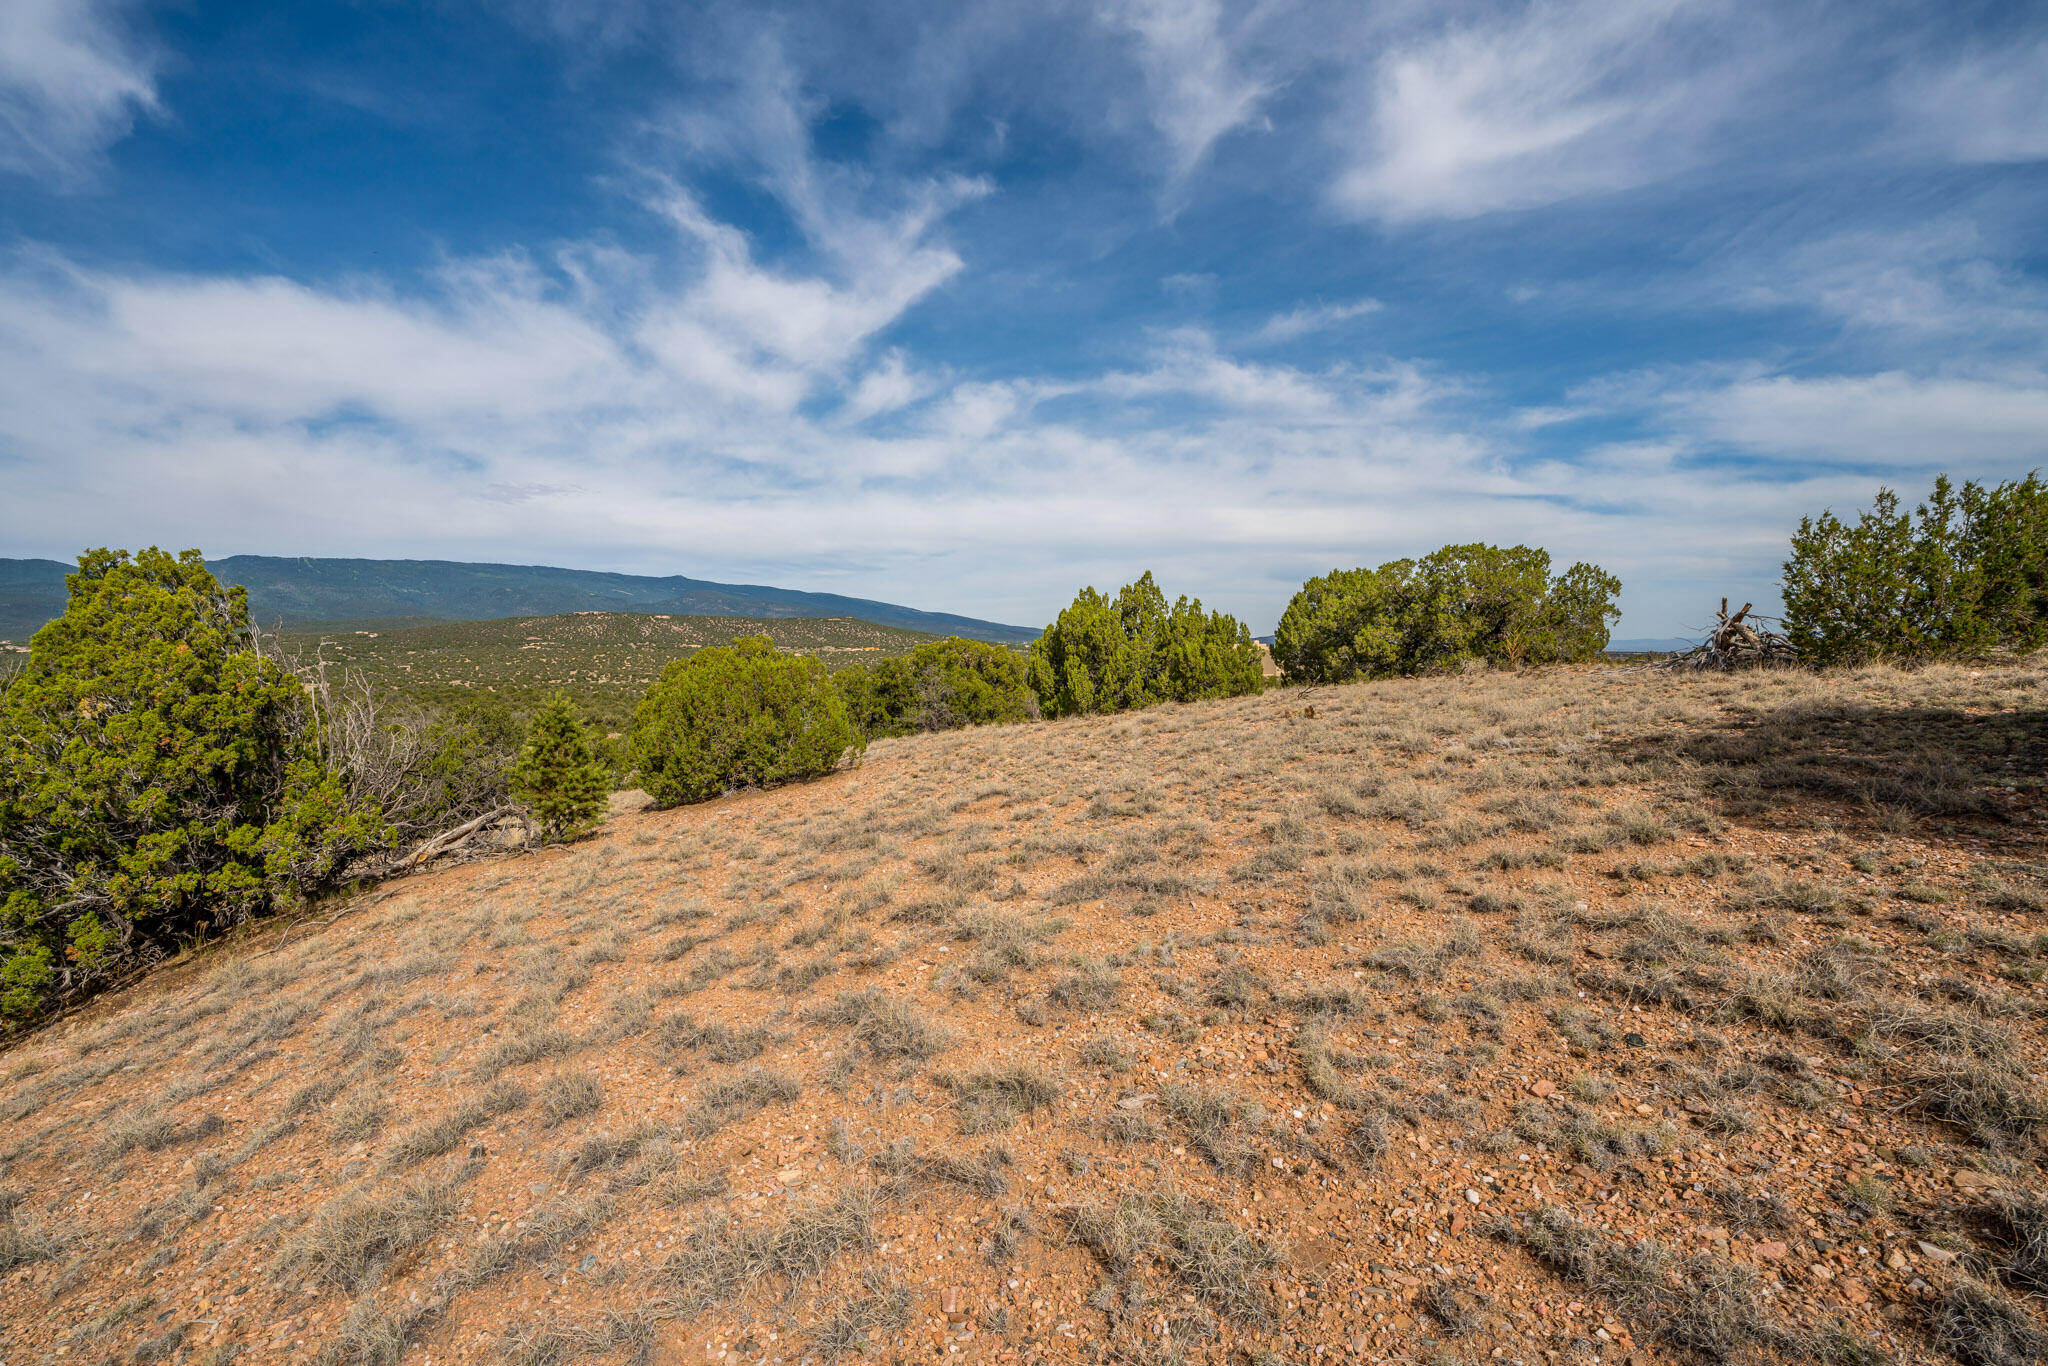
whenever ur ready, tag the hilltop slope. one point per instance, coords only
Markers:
(1555, 1015)
(309, 590)
(605, 660)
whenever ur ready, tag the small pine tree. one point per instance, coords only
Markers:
(559, 777)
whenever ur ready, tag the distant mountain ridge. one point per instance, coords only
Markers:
(295, 591)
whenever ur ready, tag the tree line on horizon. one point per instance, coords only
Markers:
(163, 778)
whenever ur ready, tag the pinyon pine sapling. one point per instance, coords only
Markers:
(558, 776)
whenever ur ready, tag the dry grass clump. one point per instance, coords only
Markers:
(1597, 1143)
(1980, 1327)
(371, 1337)
(356, 1116)
(20, 1243)
(437, 1136)
(1003, 942)
(863, 1323)
(526, 1048)
(1211, 1256)
(1092, 986)
(569, 1095)
(718, 1261)
(1111, 1055)
(723, 1102)
(1215, 1118)
(994, 1098)
(1698, 1303)
(887, 1026)
(148, 1131)
(348, 1241)
(717, 1040)
(1996, 1103)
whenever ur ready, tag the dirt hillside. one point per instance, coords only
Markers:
(1526, 1017)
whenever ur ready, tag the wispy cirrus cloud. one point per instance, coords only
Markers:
(72, 79)
(1312, 318)
(1194, 71)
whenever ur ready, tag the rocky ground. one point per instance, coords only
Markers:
(1523, 1017)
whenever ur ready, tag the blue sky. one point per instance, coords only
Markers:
(967, 304)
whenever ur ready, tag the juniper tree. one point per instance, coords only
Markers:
(1104, 655)
(1462, 602)
(159, 779)
(739, 715)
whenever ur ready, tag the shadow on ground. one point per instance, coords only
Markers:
(1983, 768)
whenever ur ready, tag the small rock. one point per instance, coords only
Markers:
(1967, 1179)
(1136, 1102)
(1933, 1253)
(1634, 1040)
(1546, 1087)
(1474, 1196)
(1896, 1260)
(1772, 1250)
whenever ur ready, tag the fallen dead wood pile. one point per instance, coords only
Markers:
(1737, 643)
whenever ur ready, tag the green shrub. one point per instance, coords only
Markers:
(940, 685)
(739, 715)
(1461, 603)
(1105, 656)
(1965, 572)
(558, 776)
(159, 779)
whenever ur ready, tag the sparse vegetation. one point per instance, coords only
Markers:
(1491, 950)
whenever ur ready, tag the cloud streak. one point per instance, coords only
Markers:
(71, 82)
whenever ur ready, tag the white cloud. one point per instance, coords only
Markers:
(1968, 425)
(71, 81)
(1301, 322)
(1985, 106)
(1192, 71)
(887, 387)
(1541, 103)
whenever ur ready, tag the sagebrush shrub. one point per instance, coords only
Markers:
(739, 715)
